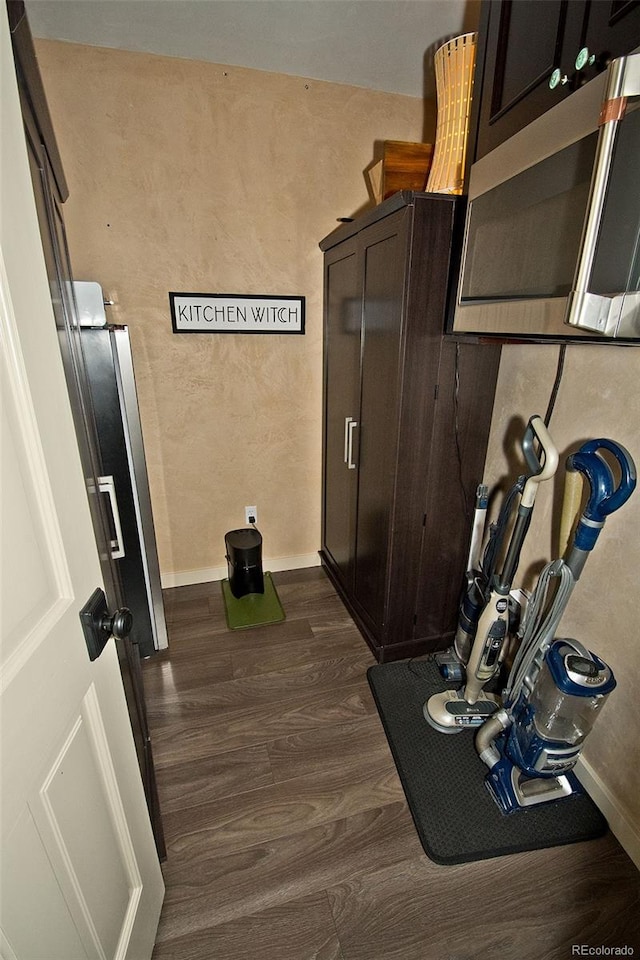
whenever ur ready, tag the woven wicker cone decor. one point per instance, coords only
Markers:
(454, 64)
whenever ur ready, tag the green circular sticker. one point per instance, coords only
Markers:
(582, 59)
(554, 79)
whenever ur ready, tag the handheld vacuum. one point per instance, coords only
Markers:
(486, 611)
(556, 687)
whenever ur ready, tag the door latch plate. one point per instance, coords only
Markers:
(93, 616)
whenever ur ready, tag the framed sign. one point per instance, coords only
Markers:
(236, 313)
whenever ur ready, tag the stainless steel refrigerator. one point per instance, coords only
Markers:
(124, 481)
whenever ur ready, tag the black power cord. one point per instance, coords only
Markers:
(456, 390)
(456, 434)
(556, 384)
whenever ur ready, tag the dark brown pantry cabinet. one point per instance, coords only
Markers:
(406, 419)
(533, 53)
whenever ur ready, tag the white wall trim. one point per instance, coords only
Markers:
(185, 577)
(618, 818)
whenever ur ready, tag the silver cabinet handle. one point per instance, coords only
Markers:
(106, 485)
(350, 428)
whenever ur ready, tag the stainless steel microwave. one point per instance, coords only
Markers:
(551, 245)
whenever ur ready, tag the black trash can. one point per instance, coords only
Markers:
(244, 560)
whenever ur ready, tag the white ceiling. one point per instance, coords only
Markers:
(379, 44)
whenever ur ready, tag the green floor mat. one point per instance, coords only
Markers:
(254, 609)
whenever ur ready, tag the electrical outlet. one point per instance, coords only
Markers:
(251, 514)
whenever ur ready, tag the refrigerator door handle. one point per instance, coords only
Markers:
(106, 485)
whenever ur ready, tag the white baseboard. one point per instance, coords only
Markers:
(185, 577)
(618, 818)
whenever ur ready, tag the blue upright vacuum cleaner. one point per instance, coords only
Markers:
(556, 687)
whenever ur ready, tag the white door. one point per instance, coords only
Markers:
(80, 875)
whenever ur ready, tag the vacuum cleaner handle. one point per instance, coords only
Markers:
(528, 449)
(605, 498)
(571, 503)
(542, 465)
(546, 463)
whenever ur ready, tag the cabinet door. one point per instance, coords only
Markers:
(343, 320)
(384, 260)
(612, 30)
(524, 46)
(527, 40)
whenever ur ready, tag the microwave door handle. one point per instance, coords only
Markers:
(107, 485)
(586, 309)
(595, 207)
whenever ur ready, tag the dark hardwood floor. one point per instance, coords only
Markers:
(287, 831)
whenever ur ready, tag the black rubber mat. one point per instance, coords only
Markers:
(443, 779)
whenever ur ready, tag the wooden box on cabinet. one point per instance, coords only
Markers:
(407, 413)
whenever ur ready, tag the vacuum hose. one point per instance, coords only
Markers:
(539, 627)
(487, 733)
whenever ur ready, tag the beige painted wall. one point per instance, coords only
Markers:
(194, 177)
(598, 397)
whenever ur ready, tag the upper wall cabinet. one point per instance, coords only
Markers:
(536, 52)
